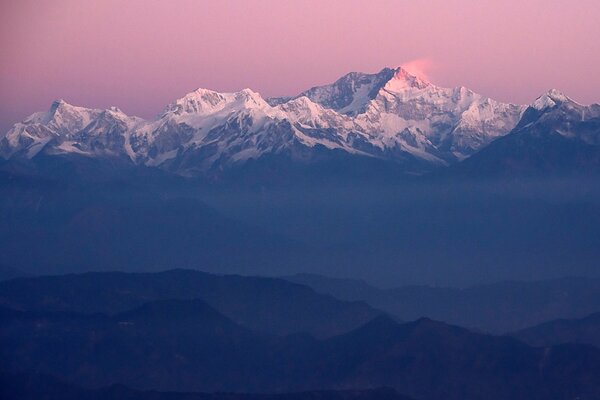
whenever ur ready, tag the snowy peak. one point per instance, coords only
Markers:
(250, 99)
(200, 101)
(207, 102)
(56, 104)
(307, 113)
(301, 105)
(550, 99)
(61, 106)
(554, 113)
(63, 117)
(351, 93)
(402, 80)
(557, 95)
(557, 108)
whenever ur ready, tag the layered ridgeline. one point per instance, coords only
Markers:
(391, 115)
(582, 330)
(188, 331)
(499, 308)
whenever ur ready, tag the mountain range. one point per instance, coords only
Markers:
(267, 305)
(499, 308)
(391, 116)
(154, 342)
(582, 330)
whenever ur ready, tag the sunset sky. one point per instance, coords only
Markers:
(141, 55)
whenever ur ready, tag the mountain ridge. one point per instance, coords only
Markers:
(258, 303)
(556, 135)
(499, 308)
(584, 330)
(204, 351)
(390, 115)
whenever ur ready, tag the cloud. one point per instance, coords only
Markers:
(419, 67)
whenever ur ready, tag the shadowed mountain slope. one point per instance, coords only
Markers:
(187, 345)
(499, 308)
(263, 304)
(583, 330)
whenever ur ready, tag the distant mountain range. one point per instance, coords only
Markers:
(498, 308)
(391, 116)
(576, 330)
(268, 305)
(189, 345)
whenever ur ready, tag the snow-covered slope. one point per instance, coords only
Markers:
(402, 111)
(554, 113)
(389, 115)
(555, 134)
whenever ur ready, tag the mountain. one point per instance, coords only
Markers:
(554, 135)
(441, 125)
(583, 330)
(187, 345)
(20, 386)
(498, 308)
(166, 344)
(269, 305)
(391, 115)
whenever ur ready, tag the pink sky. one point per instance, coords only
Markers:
(142, 54)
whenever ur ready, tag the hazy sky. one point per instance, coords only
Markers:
(142, 54)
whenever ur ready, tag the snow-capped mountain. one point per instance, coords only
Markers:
(555, 134)
(402, 111)
(556, 114)
(390, 115)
